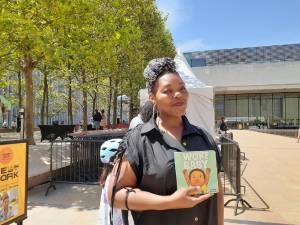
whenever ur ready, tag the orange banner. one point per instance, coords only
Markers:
(13, 181)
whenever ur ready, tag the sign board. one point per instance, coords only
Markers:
(13, 181)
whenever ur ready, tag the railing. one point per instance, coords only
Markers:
(281, 132)
(78, 159)
(231, 163)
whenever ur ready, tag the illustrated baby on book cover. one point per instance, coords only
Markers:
(197, 168)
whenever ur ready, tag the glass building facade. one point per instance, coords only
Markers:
(271, 110)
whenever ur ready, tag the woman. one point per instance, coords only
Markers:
(146, 182)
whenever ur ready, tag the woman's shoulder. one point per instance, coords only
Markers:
(132, 135)
(203, 132)
(136, 130)
(195, 128)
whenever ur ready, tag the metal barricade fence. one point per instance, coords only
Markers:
(231, 164)
(281, 132)
(78, 159)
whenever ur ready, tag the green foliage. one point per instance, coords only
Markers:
(100, 39)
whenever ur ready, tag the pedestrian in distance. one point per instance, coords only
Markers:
(13, 125)
(97, 119)
(144, 180)
(223, 125)
(5, 124)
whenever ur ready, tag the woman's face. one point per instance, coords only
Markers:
(170, 95)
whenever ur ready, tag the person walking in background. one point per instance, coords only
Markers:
(144, 181)
(5, 124)
(223, 125)
(97, 119)
(145, 114)
(13, 125)
(103, 123)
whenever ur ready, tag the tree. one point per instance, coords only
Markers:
(26, 31)
(153, 41)
(86, 44)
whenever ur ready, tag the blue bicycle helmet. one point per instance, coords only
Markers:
(109, 150)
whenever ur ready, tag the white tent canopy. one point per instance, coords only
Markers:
(200, 110)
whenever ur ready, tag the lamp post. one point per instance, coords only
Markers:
(22, 113)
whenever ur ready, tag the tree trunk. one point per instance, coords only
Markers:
(84, 95)
(20, 89)
(70, 108)
(28, 68)
(45, 93)
(131, 106)
(95, 105)
(131, 101)
(109, 102)
(115, 102)
(94, 102)
(121, 103)
(47, 104)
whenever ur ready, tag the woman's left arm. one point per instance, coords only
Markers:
(220, 200)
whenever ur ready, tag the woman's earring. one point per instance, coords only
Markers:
(154, 111)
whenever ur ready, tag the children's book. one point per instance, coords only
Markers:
(197, 168)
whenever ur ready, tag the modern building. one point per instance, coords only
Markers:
(257, 86)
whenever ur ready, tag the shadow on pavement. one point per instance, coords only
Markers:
(79, 196)
(254, 201)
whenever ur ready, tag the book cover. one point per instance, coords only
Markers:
(197, 168)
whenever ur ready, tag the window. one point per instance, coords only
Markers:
(291, 109)
(278, 109)
(219, 107)
(242, 110)
(230, 110)
(266, 109)
(254, 110)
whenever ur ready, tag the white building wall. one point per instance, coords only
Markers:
(239, 78)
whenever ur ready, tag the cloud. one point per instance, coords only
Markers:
(176, 12)
(192, 45)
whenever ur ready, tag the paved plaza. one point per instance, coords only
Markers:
(270, 177)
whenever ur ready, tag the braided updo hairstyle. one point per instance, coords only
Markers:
(156, 68)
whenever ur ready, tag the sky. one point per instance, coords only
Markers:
(198, 25)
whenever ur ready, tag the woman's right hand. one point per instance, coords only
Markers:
(182, 198)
